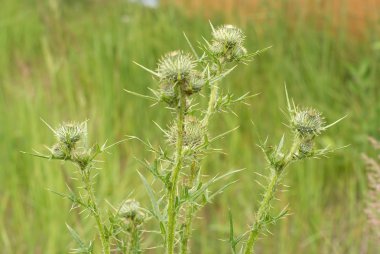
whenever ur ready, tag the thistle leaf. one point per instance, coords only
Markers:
(155, 206)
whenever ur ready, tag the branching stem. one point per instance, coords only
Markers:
(172, 213)
(263, 210)
(270, 191)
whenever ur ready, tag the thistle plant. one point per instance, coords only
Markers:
(119, 229)
(183, 80)
(306, 125)
(181, 77)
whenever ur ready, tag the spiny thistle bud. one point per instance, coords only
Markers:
(308, 123)
(228, 35)
(168, 94)
(176, 67)
(228, 43)
(70, 133)
(132, 212)
(58, 151)
(194, 132)
(82, 158)
(305, 148)
(195, 85)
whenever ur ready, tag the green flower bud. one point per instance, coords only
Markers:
(307, 123)
(227, 43)
(169, 95)
(305, 148)
(70, 133)
(59, 151)
(176, 67)
(131, 211)
(228, 35)
(195, 85)
(194, 132)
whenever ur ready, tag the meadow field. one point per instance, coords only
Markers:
(70, 61)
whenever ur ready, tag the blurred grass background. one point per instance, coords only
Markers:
(70, 60)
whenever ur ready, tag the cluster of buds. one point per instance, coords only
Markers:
(177, 74)
(132, 214)
(228, 43)
(193, 135)
(306, 124)
(68, 136)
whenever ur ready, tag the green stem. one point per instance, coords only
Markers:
(211, 104)
(172, 214)
(92, 204)
(186, 230)
(213, 93)
(135, 241)
(263, 210)
(268, 197)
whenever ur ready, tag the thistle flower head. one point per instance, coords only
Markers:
(70, 133)
(131, 210)
(305, 148)
(228, 35)
(194, 132)
(168, 94)
(175, 67)
(228, 43)
(83, 158)
(58, 151)
(195, 85)
(307, 122)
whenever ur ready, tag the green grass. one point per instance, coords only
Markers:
(73, 62)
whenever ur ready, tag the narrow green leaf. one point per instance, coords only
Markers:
(75, 235)
(155, 206)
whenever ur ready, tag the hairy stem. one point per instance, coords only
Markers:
(263, 210)
(186, 229)
(213, 94)
(134, 246)
(211, 104)
(93, 206)
(172, 214)
(269, 194)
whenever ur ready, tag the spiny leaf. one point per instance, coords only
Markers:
(148, 70)
(155, 206)
(191, 46)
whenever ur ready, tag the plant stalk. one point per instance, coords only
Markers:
(134, 247)
(92, 204)
(211, 104)
(186, 230)
(268, 197)
(263, 210)
(172, 214)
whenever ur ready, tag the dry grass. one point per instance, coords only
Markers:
(373, 203)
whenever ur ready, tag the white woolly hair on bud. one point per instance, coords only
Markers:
(175, 66)
(71, 133)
